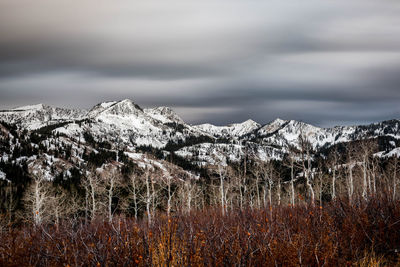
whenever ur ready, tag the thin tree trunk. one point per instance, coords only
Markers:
(308, 179)
(334, 182)
(292, 181)
(133, 182)
(364, 192)
(258, 193)
(221, 188)
(148, 199)
(394, 179)
(110, 195)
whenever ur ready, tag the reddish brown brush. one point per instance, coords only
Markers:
(334, 235)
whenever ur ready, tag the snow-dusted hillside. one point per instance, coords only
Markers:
(164, 114)
(125, 125)
(284, 133)
(37, 116)
(235, 130)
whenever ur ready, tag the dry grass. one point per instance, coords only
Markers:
(335, 235)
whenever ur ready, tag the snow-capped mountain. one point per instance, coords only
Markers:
(124, 125)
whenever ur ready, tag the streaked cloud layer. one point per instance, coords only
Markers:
(323, 62)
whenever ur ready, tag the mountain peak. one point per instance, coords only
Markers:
(272, 126)
(128, 104)
(278, 121)
(122, 107)
(250, 122)
(164, 114)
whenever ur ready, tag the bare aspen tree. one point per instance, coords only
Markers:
(236, 190)
(374, 170)
(92, 187)
(148, 197)
(11, 203)
(154, 189)
(58, 203)
(110, 196)
(189, 191)
(257, 172)
(63, 204)
(134, 193)
(168, 184)
(222, 173)
(86, 187)
(365, 150)
(306, 149)
(241, 182)
(350, 165)
(321, 182)
(111, 178)
(394, 169)
(291, 158)
(292, 178)
(230, 187)
(279, 191)
(36, 198)
(264, 172)
(395, 166)
(363, 155)
(333, 161)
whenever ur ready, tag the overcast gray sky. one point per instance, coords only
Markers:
(323, 62)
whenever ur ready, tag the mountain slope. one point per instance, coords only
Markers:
(235, 130)
(36, 116)
(125, 125)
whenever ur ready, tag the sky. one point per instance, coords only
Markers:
(323, 62)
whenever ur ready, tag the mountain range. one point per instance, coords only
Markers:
(125, 126)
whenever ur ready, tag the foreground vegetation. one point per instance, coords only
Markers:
(337, 234)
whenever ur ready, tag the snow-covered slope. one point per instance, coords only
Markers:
(37, 116)
(164, 114)
(124, 124)
(235, 130)
(284, 133)
(214, 154)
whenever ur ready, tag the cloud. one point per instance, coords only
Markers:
(213, 61)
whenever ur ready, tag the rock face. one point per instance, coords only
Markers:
(125, 124)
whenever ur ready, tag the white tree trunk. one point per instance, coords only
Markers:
(189, 197)
(134, 192)
(350, 184)
(334, 182)
(258, 192)
(292, 181)
(169, 196)
(365, 185)
(148, 197)
(394, 179)
(221, 190)
(38, 202)
(110, 196)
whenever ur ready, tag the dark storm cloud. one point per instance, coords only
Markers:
(219, 61)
